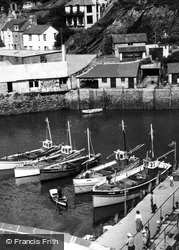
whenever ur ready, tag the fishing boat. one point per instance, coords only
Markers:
(19, 159)
(92, 111)
(134, 183)
(59, 198)
(64, 154)
(124, 159)
(70, 166)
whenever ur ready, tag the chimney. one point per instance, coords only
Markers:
(63, 53)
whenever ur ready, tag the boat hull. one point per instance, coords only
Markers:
(86, 185)
(21, 172)
(48, 174)
(68, 168)
(110, 197)
(6, 165)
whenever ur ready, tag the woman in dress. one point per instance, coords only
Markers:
(138, 221)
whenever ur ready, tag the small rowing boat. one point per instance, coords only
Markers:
(59, 198)
(91, 111)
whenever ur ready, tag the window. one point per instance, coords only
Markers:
(30, 37)
(25, 47)
(16, 27)
(38, 37)
(104, 80)
(89, 19)
(80, 20)
(31, 84)
(69, 21)
(45, 47)
(30, 47)
(130, 43)
(45, 37)
(89, 8)
(36, 83)
(16, 38)
(122, 79)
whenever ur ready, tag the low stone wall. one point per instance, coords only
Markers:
(154, 99)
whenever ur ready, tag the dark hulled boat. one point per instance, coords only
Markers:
(133, 183)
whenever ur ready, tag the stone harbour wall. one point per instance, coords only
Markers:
(153, 99)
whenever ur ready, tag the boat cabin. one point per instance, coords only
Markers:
(66, 149)
(120, 155)
(47, 144)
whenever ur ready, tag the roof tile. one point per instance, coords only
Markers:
(129, 38)
(113, 70)
(37, 29)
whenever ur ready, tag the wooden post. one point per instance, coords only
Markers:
(123, 98)
(79, 105)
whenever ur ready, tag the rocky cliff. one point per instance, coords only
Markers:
(158, 18)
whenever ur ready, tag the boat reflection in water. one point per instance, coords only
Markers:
(107, 214)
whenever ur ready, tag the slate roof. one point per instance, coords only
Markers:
(37, 29)
(80, 2)
(23, 72)
(172, 68)
(22, 23)
(113, 70)
(132, 49)
(129, 38)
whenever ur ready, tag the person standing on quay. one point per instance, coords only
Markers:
(130, 242)
(148, 236)
(138, 221)
(153, 202)
(171, 180)
(144, 239)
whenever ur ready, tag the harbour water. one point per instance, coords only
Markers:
(26, 201)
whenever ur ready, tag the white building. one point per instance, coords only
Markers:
(12, 33)
(81, 13)
(39, 37)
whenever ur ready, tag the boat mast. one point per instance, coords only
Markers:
(88, 137)
(48, 127)
(152, 140)
(69, 134)
(124, 136)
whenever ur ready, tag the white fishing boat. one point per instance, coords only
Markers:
(134, 183)
(71, 166)
(84, 182)
(15, 160)
(92, 111)
(64, 154)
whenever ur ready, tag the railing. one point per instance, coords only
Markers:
(153, 245)
(158, 214)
